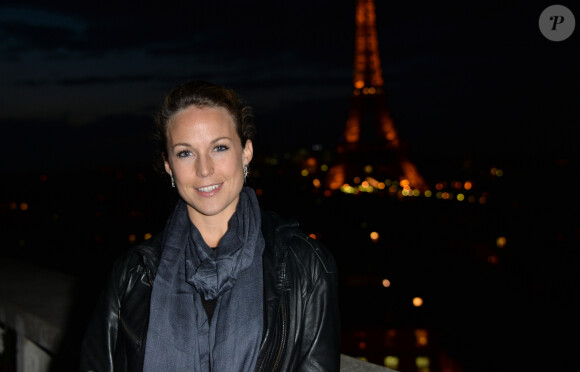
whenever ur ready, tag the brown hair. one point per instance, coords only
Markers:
(200, 94)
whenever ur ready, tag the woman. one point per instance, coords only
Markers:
(225, 287)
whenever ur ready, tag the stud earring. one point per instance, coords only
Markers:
(172, 182)
(245, 172)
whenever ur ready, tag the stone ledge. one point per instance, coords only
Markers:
(35, 302)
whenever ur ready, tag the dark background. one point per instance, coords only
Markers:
(470, 86)
(80, 81)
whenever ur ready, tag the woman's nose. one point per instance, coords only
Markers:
(204, 166)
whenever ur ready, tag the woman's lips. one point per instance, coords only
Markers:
(210, 190)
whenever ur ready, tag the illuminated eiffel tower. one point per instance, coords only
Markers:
(371, 145)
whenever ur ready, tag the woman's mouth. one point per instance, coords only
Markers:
(209, 190)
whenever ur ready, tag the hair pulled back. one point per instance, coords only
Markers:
(201, 94)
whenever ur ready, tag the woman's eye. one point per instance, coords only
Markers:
(183, 154)
(221, 148)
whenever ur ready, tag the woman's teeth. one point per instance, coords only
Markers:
(208, 188)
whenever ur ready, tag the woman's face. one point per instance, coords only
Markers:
(206, 158)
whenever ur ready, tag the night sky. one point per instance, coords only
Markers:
(81, 80)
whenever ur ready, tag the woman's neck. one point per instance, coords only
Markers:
(211, 228)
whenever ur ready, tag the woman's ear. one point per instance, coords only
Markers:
(167, 165)
(247, 152)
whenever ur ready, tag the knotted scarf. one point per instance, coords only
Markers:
(180, 337)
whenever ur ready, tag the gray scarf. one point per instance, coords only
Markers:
(179, 337)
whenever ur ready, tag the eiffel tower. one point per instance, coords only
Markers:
(370, 146)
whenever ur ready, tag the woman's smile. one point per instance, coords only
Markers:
(209, 191)
(206, 159)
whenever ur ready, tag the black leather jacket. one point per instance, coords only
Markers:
(302, 326)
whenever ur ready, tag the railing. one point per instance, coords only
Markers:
(37, 315)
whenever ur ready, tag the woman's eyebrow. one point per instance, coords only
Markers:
(219, 139)
(212, 142)
(181, 144)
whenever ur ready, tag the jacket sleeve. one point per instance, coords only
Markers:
(321, 342)
(99, 340)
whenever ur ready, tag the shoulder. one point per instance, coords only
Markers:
(311, 251)
(147, 252)
(286, 238)
(141, 259)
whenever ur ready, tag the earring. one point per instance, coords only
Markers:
(172, 181)
(245, 172)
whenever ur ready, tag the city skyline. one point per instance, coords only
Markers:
(82, 81)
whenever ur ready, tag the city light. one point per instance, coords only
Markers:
(421, 337)
(392, 362)
(417, 301)
(422, 363)
(501, 242)
(346, 188)
(496, 172)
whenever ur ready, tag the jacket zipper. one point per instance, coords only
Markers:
(283, 337)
